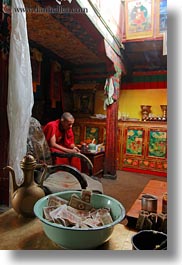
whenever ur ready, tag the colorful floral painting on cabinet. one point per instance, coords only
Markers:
(157, 144)
(134, 143)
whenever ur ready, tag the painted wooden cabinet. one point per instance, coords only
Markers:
(144, 147)
(141, 146)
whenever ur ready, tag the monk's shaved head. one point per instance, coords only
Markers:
(67, 116)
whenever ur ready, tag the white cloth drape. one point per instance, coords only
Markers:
(109, 91)
(20, 91)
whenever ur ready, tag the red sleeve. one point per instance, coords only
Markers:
(50, 130)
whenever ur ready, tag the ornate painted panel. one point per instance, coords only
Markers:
(92, 133)
(131, 162)
(157, 143)
(134, 141)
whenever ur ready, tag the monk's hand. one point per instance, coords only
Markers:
(76, 149)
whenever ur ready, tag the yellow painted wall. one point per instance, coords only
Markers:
(130, 101)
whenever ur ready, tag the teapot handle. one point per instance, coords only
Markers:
(43, 173)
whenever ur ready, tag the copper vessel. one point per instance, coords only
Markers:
(164, 110)
(145, 109)
(25, 196)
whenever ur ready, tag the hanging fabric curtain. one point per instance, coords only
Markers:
(20, 91)
(56, 84)
(109, 92)
(36, 59)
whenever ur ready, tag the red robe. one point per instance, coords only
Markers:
(64, 138)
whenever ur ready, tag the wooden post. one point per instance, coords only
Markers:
(110, 163)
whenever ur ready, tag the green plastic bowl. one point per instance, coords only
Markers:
(77, 238)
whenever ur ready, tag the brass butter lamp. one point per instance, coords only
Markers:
(164, 110)
(145, 110)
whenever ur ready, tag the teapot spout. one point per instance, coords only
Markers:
(11, 170)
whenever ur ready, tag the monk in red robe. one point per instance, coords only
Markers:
(60, 138)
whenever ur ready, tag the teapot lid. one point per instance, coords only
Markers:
(28, 161)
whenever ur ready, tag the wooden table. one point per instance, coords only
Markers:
(154, 187)
(17, 232)
(97, 160)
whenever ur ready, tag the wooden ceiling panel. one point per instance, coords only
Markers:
(75, 40)
(46, 30)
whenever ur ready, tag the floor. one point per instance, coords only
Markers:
(127, 186)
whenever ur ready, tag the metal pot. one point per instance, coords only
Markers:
(149, 203)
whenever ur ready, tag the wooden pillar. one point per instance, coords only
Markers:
(110, 163)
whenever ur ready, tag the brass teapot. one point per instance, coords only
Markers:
(25, 196)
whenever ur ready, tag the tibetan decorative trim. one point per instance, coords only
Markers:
(144, 85)
(145, 164)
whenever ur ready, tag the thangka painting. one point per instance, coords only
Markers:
(139, 18)
(161, 17)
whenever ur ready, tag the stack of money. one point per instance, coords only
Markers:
(77, 212)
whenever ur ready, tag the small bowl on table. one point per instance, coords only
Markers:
(149, 240)
(81, 238)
